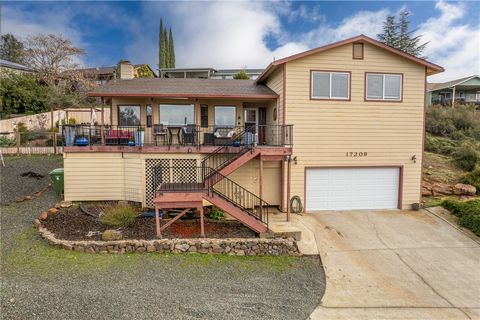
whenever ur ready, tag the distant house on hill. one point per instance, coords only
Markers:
(13, 67)
(102, 75)
(464, 90)
(207, 73)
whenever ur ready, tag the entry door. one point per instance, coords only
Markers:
(352, 188)
(251, 123)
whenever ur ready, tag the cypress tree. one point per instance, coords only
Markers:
(171, 49)
(160, 46)
(164, 61)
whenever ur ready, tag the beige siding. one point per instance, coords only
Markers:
(324, 131)
(275, 82)
(113, 176)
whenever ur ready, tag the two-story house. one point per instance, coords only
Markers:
(340, 126)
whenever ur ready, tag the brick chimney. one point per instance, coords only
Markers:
(126, 70)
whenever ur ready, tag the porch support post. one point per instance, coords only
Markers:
(102, 134)
(453, 98)
(157, 222)
(202, 226)
(260, 181)
(289, 175)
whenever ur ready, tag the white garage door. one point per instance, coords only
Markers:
(352, 188)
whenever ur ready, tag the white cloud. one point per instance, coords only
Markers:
(453, 44)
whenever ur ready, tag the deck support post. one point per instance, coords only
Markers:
(260, 188)
(202, 226)
(157, 222)
(289, 176)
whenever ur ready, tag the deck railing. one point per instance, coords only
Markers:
(189, 135)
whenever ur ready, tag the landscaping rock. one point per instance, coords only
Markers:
(109, 235)
(464, 189)
(52, 211)
(37, 223)
(182, 247)
(65, 204)
(151, 248)
(43, 216)
(439, 189)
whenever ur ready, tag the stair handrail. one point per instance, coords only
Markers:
(232, 186)
(221, 149)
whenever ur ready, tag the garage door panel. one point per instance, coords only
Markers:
(352, 188)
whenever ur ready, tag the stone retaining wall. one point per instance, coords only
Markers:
(232, 246)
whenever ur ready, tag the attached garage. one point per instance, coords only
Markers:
(352, 188)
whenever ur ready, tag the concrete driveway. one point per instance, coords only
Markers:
(394, 265)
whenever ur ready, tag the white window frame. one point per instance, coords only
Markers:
(330, 97)
(384, 98)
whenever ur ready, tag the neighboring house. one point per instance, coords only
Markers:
(207, 73)
(102, 75)
(340, 126)
(7, 66)
(464, 90)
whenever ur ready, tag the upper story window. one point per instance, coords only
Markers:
(384, 87)
(177, 114)
(128, 115)
(330, 85)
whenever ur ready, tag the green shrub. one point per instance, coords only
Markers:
(467, 156)
(454, 206)
(440, 145)
(473, 178)
(7, 142)
(216, 214)
(455, 123)
(471, 221)
(119, 216)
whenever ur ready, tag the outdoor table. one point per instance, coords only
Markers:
(177, 130)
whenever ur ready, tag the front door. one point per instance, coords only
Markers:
(251, 123)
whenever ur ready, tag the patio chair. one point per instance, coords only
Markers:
(189, 134)
(160, 131)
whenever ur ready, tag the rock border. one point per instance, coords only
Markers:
(230, 246)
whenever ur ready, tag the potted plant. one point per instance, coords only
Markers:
(139, 136)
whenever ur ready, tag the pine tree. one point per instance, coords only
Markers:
(407, 42)
(163, 61)
(390, 32)
(397, 35)
(171, 49)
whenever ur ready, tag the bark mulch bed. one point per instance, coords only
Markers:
(73, 224)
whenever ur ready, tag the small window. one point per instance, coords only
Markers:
(386, 87)
(330, 85)
(358, 51)
(149, 115)
(225, 116)
(128, 115)
(204, 115)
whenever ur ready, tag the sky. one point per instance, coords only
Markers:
(238, 34)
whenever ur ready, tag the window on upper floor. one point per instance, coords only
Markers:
(357, 51)
(383, 87)
(331, 85)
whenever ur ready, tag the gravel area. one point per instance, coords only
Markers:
(13, 184)
(40, 282)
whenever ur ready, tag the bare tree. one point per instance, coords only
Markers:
(52, 56)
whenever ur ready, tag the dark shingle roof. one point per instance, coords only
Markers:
(190, 88)
(13, 65)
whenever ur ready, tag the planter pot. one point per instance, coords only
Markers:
(69, 133)
(139, 138)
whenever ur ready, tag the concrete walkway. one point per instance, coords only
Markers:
(393, 265)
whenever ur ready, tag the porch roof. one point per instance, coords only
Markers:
(185, 88)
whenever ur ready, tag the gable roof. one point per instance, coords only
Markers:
(14, 65)
(449, 84)
(361, 38)
(185, 88)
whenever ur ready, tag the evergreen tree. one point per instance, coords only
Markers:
(241, 75)
(407, 42)
(390, 32)
(167, 48)
(397, 35)
(160, 44)
(163, 62)
(171, 49)
(11, 49)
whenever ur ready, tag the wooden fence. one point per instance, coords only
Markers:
(31, 150)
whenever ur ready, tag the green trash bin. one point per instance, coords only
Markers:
(56, 175)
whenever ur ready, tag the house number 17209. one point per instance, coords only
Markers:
(355, 154)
